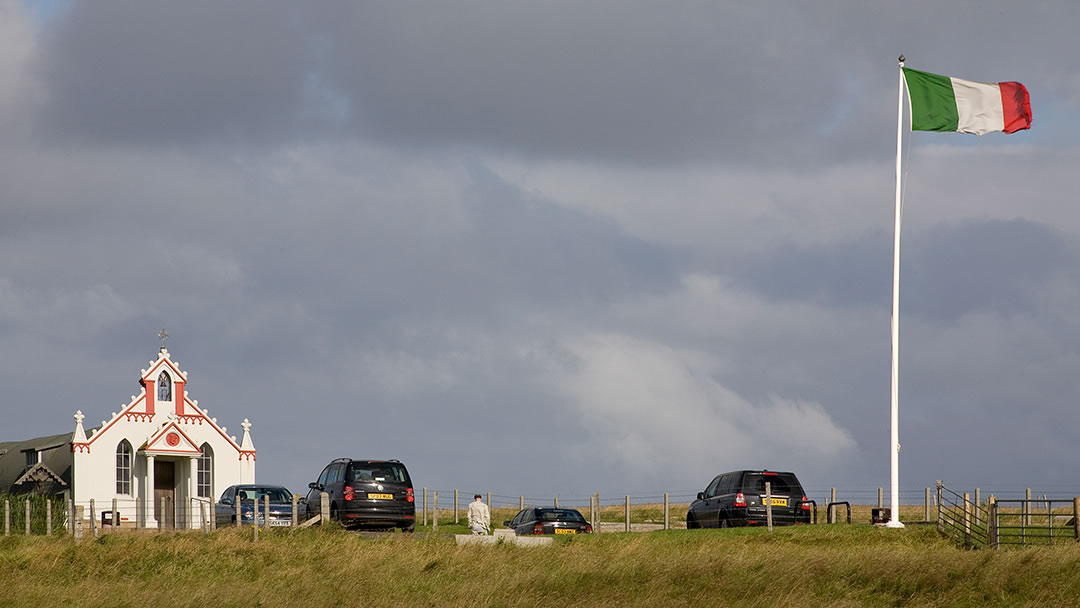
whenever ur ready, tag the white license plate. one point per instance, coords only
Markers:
(280, 523)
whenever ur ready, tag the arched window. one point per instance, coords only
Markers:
(205, 475)
(164, 387)
(123, 468)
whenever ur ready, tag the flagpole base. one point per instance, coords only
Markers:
(893, 523)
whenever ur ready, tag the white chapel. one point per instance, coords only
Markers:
(162, 457)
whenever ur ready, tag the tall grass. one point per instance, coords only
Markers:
(796, 566)
(16, 505)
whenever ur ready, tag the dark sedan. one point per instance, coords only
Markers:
(548, 520)
(280, 505)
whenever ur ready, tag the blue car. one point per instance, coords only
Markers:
(280, 505)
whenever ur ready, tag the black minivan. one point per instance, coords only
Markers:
(366, 493)
(737, 498)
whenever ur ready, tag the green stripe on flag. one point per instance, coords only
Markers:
(933, 103)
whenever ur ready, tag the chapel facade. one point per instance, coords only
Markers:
(162, 458)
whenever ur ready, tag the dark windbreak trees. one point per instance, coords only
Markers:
(737, 498)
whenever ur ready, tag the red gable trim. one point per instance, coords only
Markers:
(124, 413)
(151, 374)
(157, 438)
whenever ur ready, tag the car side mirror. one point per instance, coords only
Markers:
(313, 485)
(701, 496)
(226, 501)
(507, 523)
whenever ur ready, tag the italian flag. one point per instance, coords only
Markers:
(941, 103)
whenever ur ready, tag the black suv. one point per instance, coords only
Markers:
(738, 499)
(366, 493)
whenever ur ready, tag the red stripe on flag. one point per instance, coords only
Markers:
(1016, 106)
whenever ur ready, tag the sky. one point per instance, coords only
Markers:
(547, 248)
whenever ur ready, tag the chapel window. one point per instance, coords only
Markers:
(204, 476)
(123, 468)
(164, 387)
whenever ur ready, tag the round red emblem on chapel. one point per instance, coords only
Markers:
(172, 439)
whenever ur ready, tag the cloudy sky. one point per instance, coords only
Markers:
(547, 248)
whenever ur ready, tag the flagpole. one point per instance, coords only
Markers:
(894, 443)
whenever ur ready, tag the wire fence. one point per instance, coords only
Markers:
(1022, 517)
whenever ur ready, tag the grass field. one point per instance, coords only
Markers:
(822, 565)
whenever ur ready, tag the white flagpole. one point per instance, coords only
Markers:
(894, 444)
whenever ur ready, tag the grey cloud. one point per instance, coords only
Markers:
(766, 83)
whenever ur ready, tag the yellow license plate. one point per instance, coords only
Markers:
(779, 502)
(565, 531)
(380, 497)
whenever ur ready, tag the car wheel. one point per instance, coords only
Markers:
(691, 523)
(724, 523)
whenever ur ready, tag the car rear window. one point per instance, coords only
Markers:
(380, 472)
(559, 515)
(754, 483)
(275, 494)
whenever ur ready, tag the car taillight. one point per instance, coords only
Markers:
(348, 493)
(538, 529)
(409, 495)
(805, 506)
(740, 500)
(588, 529)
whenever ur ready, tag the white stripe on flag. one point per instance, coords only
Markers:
(978, 105)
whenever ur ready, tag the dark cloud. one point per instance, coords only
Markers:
(764, 83)
(305, 197)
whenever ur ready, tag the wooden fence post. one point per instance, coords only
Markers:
(978, 501)
(1027, 507)
(236, 503)
(1076, 518)
(768, 505)
(926, 506)
(456, 505)
(521, 503)
(71, 515)
(830, 514)
(7, 517)
(940, 515)
(489, 501)
(48, 515)
(599, 517)
(992, 525)
(967, 516)
(425, 506)
(881, 501)
(627, 529)
(255, 519)
(266, 511)
(556, 502)
(202, 517)
(324, 507)
(78, 521)
(28, 515)
(292, 520)
(435, 512)
(667, 512)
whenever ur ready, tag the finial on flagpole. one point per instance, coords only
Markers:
(901, 61)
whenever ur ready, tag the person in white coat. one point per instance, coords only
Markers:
(479, 516)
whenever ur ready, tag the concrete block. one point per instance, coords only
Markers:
(474, 539)
(521, 541)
